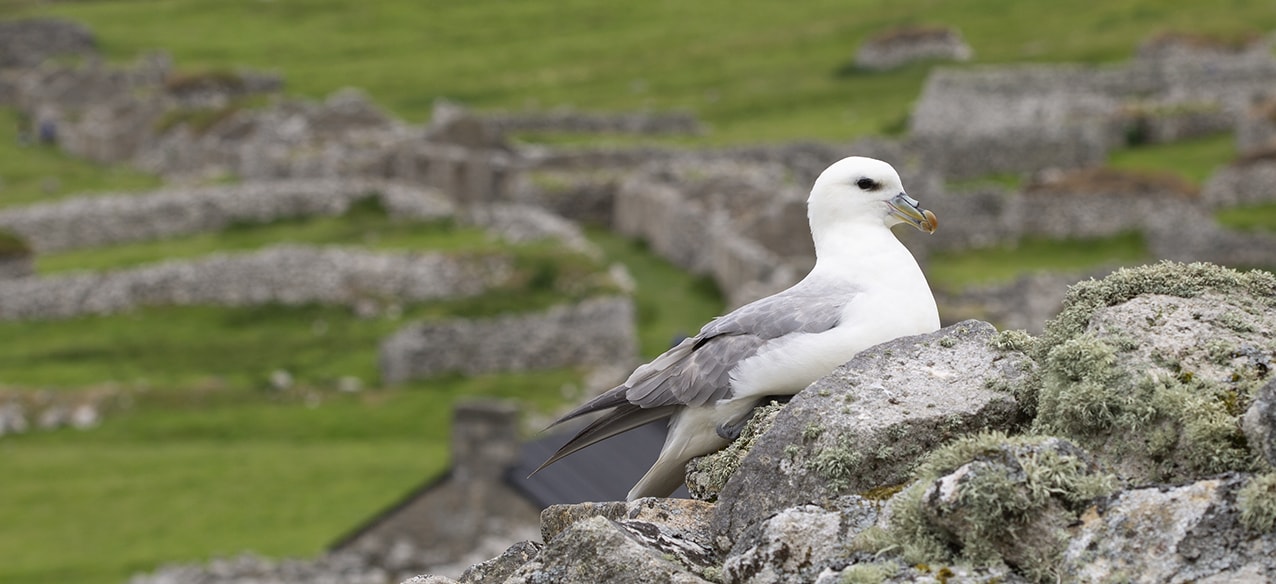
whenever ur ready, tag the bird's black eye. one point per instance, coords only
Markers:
(866, 184)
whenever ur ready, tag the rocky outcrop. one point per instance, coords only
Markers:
(867, 424)
(1130, 442)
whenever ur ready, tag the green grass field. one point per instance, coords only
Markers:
(186, 477)
(755, 71)
(209, 461)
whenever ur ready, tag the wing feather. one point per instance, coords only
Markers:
(622, 419)
(697, 371)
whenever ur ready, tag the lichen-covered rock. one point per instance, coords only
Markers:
(1191, 533)
(1259, 422)
(865, 425)
(496, 570)
(1152, 368)
(679, 515)
(799, 543)
(888, 572)
(992, 499)
(429, 579)
(601, 550)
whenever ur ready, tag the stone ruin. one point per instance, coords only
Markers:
(27, 43)
(979, 121)
(743, 229)
(898, 47)
(595, 333)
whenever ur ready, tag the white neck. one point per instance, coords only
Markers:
(856, 243)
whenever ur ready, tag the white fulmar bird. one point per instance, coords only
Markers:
(865, 289)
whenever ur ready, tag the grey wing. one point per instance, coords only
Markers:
(698, 371)
(804, 308)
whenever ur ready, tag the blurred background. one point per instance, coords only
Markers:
(261, 260)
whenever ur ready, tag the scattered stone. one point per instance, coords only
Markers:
(13, 418)
(281, 380)
(349, 384)
(84, 416)
(898, 47)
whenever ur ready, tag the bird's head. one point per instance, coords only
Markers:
(859, 190)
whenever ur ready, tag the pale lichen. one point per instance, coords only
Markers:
(1151, 413)
(837, 464)
(870, 573)
(1257, 502)
(1013, 340)
(1013, 488)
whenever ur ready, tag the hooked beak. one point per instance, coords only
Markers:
(907, 210)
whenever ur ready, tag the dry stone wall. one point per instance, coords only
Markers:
(1243, 183)
(597, 332)
(575, 122)
(286, 274)
(112, 219)
(1256, 129)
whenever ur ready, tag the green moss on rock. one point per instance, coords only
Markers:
(1139, 386)
(990, 498)
(1168, 278)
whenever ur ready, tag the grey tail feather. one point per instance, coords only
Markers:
(611, 398)
(623, 419)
